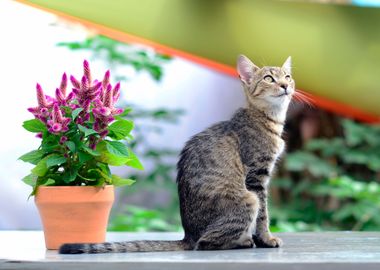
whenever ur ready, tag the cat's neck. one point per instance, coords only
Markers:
(274, 113)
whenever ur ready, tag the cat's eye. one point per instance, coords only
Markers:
(269, 79)
(287, 77)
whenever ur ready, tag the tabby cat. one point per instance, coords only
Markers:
(224, 172)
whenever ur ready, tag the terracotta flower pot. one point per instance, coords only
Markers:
(74, 214)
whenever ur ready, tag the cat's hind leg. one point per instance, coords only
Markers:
(233, 229)
(225, 238)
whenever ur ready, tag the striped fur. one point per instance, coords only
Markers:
(224, 172)
(117, 247)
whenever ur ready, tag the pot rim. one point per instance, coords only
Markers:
(49, 194)
(71, 187)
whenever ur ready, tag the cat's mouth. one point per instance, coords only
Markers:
(281, 95)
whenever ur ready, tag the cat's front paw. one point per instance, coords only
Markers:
(267, 241)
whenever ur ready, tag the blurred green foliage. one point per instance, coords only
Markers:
(139, 219)
(330, 184)
(117, 54)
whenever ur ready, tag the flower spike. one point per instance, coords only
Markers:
(87, 71)
(60, 97)
(58, 123)
(96, 99)
(57, 114)
(85, 83)
(74, 82)
(63, 84)
(106, 79)
(116, 92)
(108, 98)
(41, 96)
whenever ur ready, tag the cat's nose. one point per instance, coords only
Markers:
(284, 86)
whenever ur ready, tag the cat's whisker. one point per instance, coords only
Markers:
(305, 102)
(305, 94)
(303, 97)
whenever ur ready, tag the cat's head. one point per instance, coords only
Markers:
(267, 86)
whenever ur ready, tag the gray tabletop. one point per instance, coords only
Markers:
(324, 250)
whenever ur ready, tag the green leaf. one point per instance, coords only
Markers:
(120, 129)
(101, 176)
(115, 160)
(49, 182)
(34, 125)
(124, 113)
(33, 156)
(70, 175)
(53, 160)
(90, 151)
(134, 162)
(83, 157)
(328, 147)
(87, 131)
(41, 167)
(109, 158)
(87, 179)
(105, 168)
(104, 175)
(118, 181)
(117, 148)
(71, 146)
(75, 113)
(354, 133)
(302, 160)
(30, 179)
(50, 143)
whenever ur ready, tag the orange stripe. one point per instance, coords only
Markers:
(336, 107)
(343, 109)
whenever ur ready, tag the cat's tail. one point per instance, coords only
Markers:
(121, 247)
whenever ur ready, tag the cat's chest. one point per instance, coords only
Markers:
(273, 147)
(279, 147)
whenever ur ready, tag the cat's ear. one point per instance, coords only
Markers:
(246, 69)
(287, 66)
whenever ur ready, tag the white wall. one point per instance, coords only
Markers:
(28, 54)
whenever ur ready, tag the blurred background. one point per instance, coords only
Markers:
(329, 178)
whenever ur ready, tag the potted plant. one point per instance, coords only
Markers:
(81, 134)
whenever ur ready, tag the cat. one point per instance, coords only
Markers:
(224, 172)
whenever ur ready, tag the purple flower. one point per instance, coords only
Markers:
(42, 110)
(63, 139)
(74, 82)
(106, 107)
(63, 85)
(106, 78)
(85, 90)
(92, 143)
(50, 99)
(41, 98)
(104, 110)
(74, 106)
(58, 123)
(95, 98)
(87, 71)
(60, 93)
(105, 83)
(116, 92)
